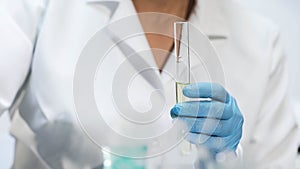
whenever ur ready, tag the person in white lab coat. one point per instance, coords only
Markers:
(53, 34)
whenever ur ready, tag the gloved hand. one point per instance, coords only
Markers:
(216, 122)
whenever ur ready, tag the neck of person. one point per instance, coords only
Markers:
(178, 8)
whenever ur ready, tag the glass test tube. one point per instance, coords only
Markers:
(182, 68)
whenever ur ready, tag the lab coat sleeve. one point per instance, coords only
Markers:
(275, 138)
(18, 28)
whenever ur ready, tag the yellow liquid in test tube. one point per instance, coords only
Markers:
(186, 146)
(179, 95)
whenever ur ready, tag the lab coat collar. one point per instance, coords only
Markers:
(209, 17)
(112, 5)
(120, 9)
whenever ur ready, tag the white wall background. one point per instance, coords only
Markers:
(285, 13)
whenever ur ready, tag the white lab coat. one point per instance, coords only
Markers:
(250, 54)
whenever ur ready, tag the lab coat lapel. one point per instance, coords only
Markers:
(120, 9)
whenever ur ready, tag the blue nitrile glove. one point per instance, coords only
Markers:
(215, 122)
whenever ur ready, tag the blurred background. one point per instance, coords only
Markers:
(284, 13)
